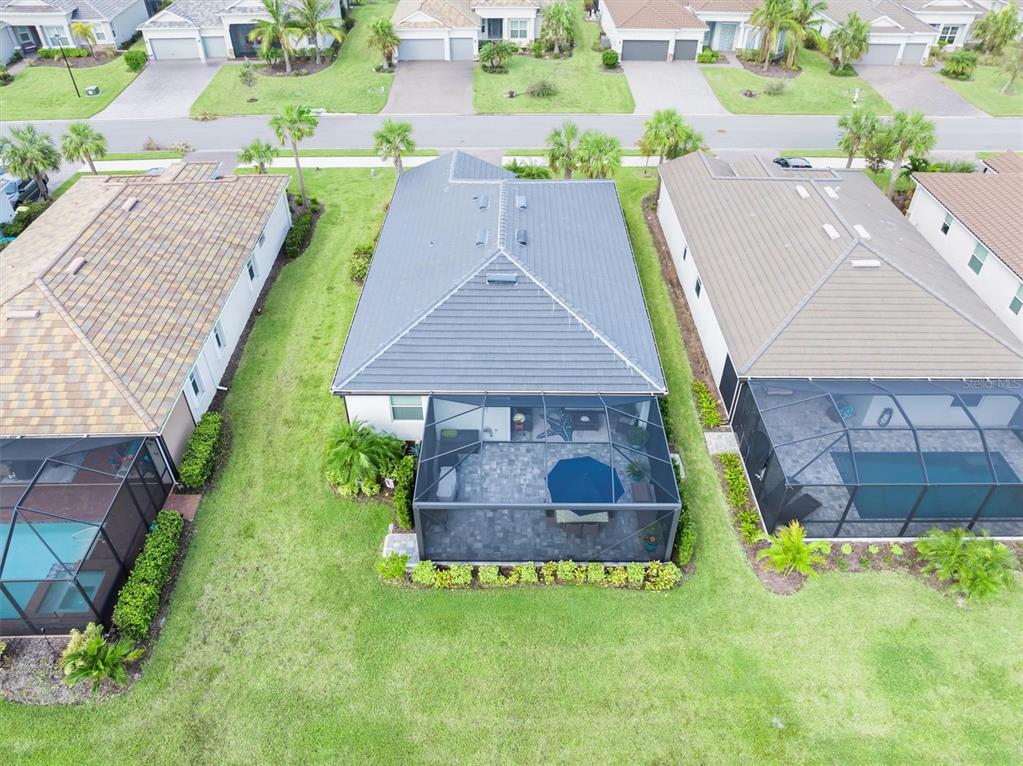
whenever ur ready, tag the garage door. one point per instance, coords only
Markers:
(884, 55)
(166, 48)
(462, 49)
(685, 50)
(644, 50)
(914, 54)
(421, 50)
(215, 47)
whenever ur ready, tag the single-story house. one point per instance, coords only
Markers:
(652, 30)
(951, 19)
(121, 307)
(973, 220)
(213, 29)
(871, 391)
(453, 30)
(897, 36)
(47, 23)
(727, 21)
(503, 327)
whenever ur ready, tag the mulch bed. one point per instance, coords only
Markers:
(773, 70)
(306, 67)
(86, 62)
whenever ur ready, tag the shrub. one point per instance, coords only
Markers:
(5, 76)
(55, 53)
(616, 577)
(873, 549)
(537, 48)
(23, 218)
(735, 480)
(361, 257)
(139, 599)
(528, 170)
(749, 526)
(960, 65)
(526, 574)
(489, 576)
(404, 489)
(596, 574)
(349, 24)
(635, 573)
(566, 571)
(202, 451)
(846, 70)
(88, 657)
(789, 551)
(392, 567)
(774, 87)
(370, 488)
(662, 575)
(135, 59)
(348, 490)
(424, 573)
(3, 648)
(979, 566)
(542, 89)
(847, 549)
(666, 407)
(460, 575)
(897, 550)
(548, 572)
(358, 454)
(708, 56)
(299, 234)
(685, 544)
(609, 58)
(707, 405)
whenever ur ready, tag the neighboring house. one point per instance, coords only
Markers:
(213, 29)
(122, 305)
(47, 23)
(727, 23)
(652, 30)
(951, 19)
(897, 36)
(454, 30)
(8, 43)
(974, 221)
(503, 326)
(871, 391)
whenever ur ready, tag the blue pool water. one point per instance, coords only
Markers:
(27, 557)
(942, 468)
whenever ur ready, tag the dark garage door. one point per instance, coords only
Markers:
(421, 50)
(685, 50)
(884, 55)
(644, 50)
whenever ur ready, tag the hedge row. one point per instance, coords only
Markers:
(55, 53)
(299, 235)
(139, 599)
(201, 453)
(738, 498)
(404, 486)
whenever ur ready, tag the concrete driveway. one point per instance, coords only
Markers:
(908, 88)
(431, 87)
(677, 85)
(164, 89)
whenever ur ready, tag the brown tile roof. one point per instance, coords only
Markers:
(1006, 162)
(723, 6)
(445, 14)
(105, 349)
(988, 204)
(652, 14)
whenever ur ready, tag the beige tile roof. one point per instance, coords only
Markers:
(652, 14)
(106, 349)
(839, 10)
(793, 301)
(1006, 162)
(990, 205)
(445, 14)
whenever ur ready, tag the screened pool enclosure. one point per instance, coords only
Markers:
(852, 458)
(541, 478)
(73, 516)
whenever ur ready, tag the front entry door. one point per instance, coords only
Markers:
(495, 29)
(726, 37)
(28, 39)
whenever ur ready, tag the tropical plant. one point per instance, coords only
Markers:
(669, 136)
(357, 452)
(542, 89)
(879, 148)
(382, 38)
(1011, 62)
(529, 171)
(857, 128)
(979, 566)
(313, 19)
(247, 75)
(88, 657)
(275, 32)
(27, 153)
(393, 140)
(790, 552)
(83, 31)
(849, 40)
(562, 149)
(495, 54)
(599, 154)
(772, 19)
(807, 15)
(83, 142)
(392, 567)
(915, 164)
(910, 133)
(258, 153)
(293, 124)
(556, 24)
(998, 29)
(960, 65)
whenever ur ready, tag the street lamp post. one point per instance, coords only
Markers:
(68, 65)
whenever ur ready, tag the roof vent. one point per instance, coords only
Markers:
(520, 236)
(830, 191)
(22, 313)
(482, 236)
(831, 231)
(802, 192)
(484, 202)
(76, 265)
(128, 205)
(866, 263)
(864, 234)
(502, 278)
(520, 201)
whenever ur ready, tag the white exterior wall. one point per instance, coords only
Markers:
(124, 24)
(376, 411)
(943, 17)
(711, 337)
(618, 36)
(996, 284)
(507, 13)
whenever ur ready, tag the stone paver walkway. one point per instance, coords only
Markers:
(720, 442)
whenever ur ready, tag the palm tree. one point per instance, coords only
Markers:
(27, 153)
(276, 31)
(773, 18)
(495, 53)
(857, 128)
(600, 155)
(392, 140)
(311, 17)
(911, 134)
(383, 39)
(667, 133)
(849, 40)
(557, 24)
(83, 142)
(998, 29)
(258, 153)
(290, 126)
(807, 14)
(82, 30)
(1011, 62)
(562, 145)
(357, 452)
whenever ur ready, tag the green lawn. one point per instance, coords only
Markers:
(349, 85)
(283, 647)
(46, 92)
(583, 84)
(985, 92)
(814, 91)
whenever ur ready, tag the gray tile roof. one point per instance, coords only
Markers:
(189, 14)
(429, 320)
(80, 9)
(790, 300)
(839, 10)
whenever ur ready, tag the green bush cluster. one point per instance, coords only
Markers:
(609, 58)
(298, 237)
(707, 405)
(846, 70)
(139, 599)
(404, 488)
(666, 406)
(135, 59)
(6, 78)
(23, 218)
(774, 87)
(656, 575)
(960, 65)
(55, 53)
(361, 257)
(685, 539)
(708, 56)
(978, 566)
(738, 498)
(392, 567)
(202, 451)
(528, 170)
(542, 89)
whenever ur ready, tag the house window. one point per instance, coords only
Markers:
(946, 224)
(518, 29)
(250, 267)
(948, 35)
(406, 408)
(196, 382)
(978, 258)
(699, 287)
(218, 336)
(100, 35)
(1017, 302)
(55, 36)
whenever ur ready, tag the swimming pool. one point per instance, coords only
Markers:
(27, 557)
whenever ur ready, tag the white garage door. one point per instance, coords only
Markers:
(644, 50)
(914, 54)
(215, 47)
(883, 55)
(462, 49)
(421, 50)
(166, 48)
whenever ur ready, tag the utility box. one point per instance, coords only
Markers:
(91, 90)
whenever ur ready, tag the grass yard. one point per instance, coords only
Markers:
(348, 85)
(46, 92)
(814, 91)
(282, 646)
(984, 91)
(583, 84)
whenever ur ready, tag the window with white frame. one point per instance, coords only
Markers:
(518, 29)
(1017, 301)
(56, 36)
(250, 268)
(947, 223)
(218, 336)
(948, 34)
(101, 36)
(978, 258)
(406, 408)
(196, 382)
